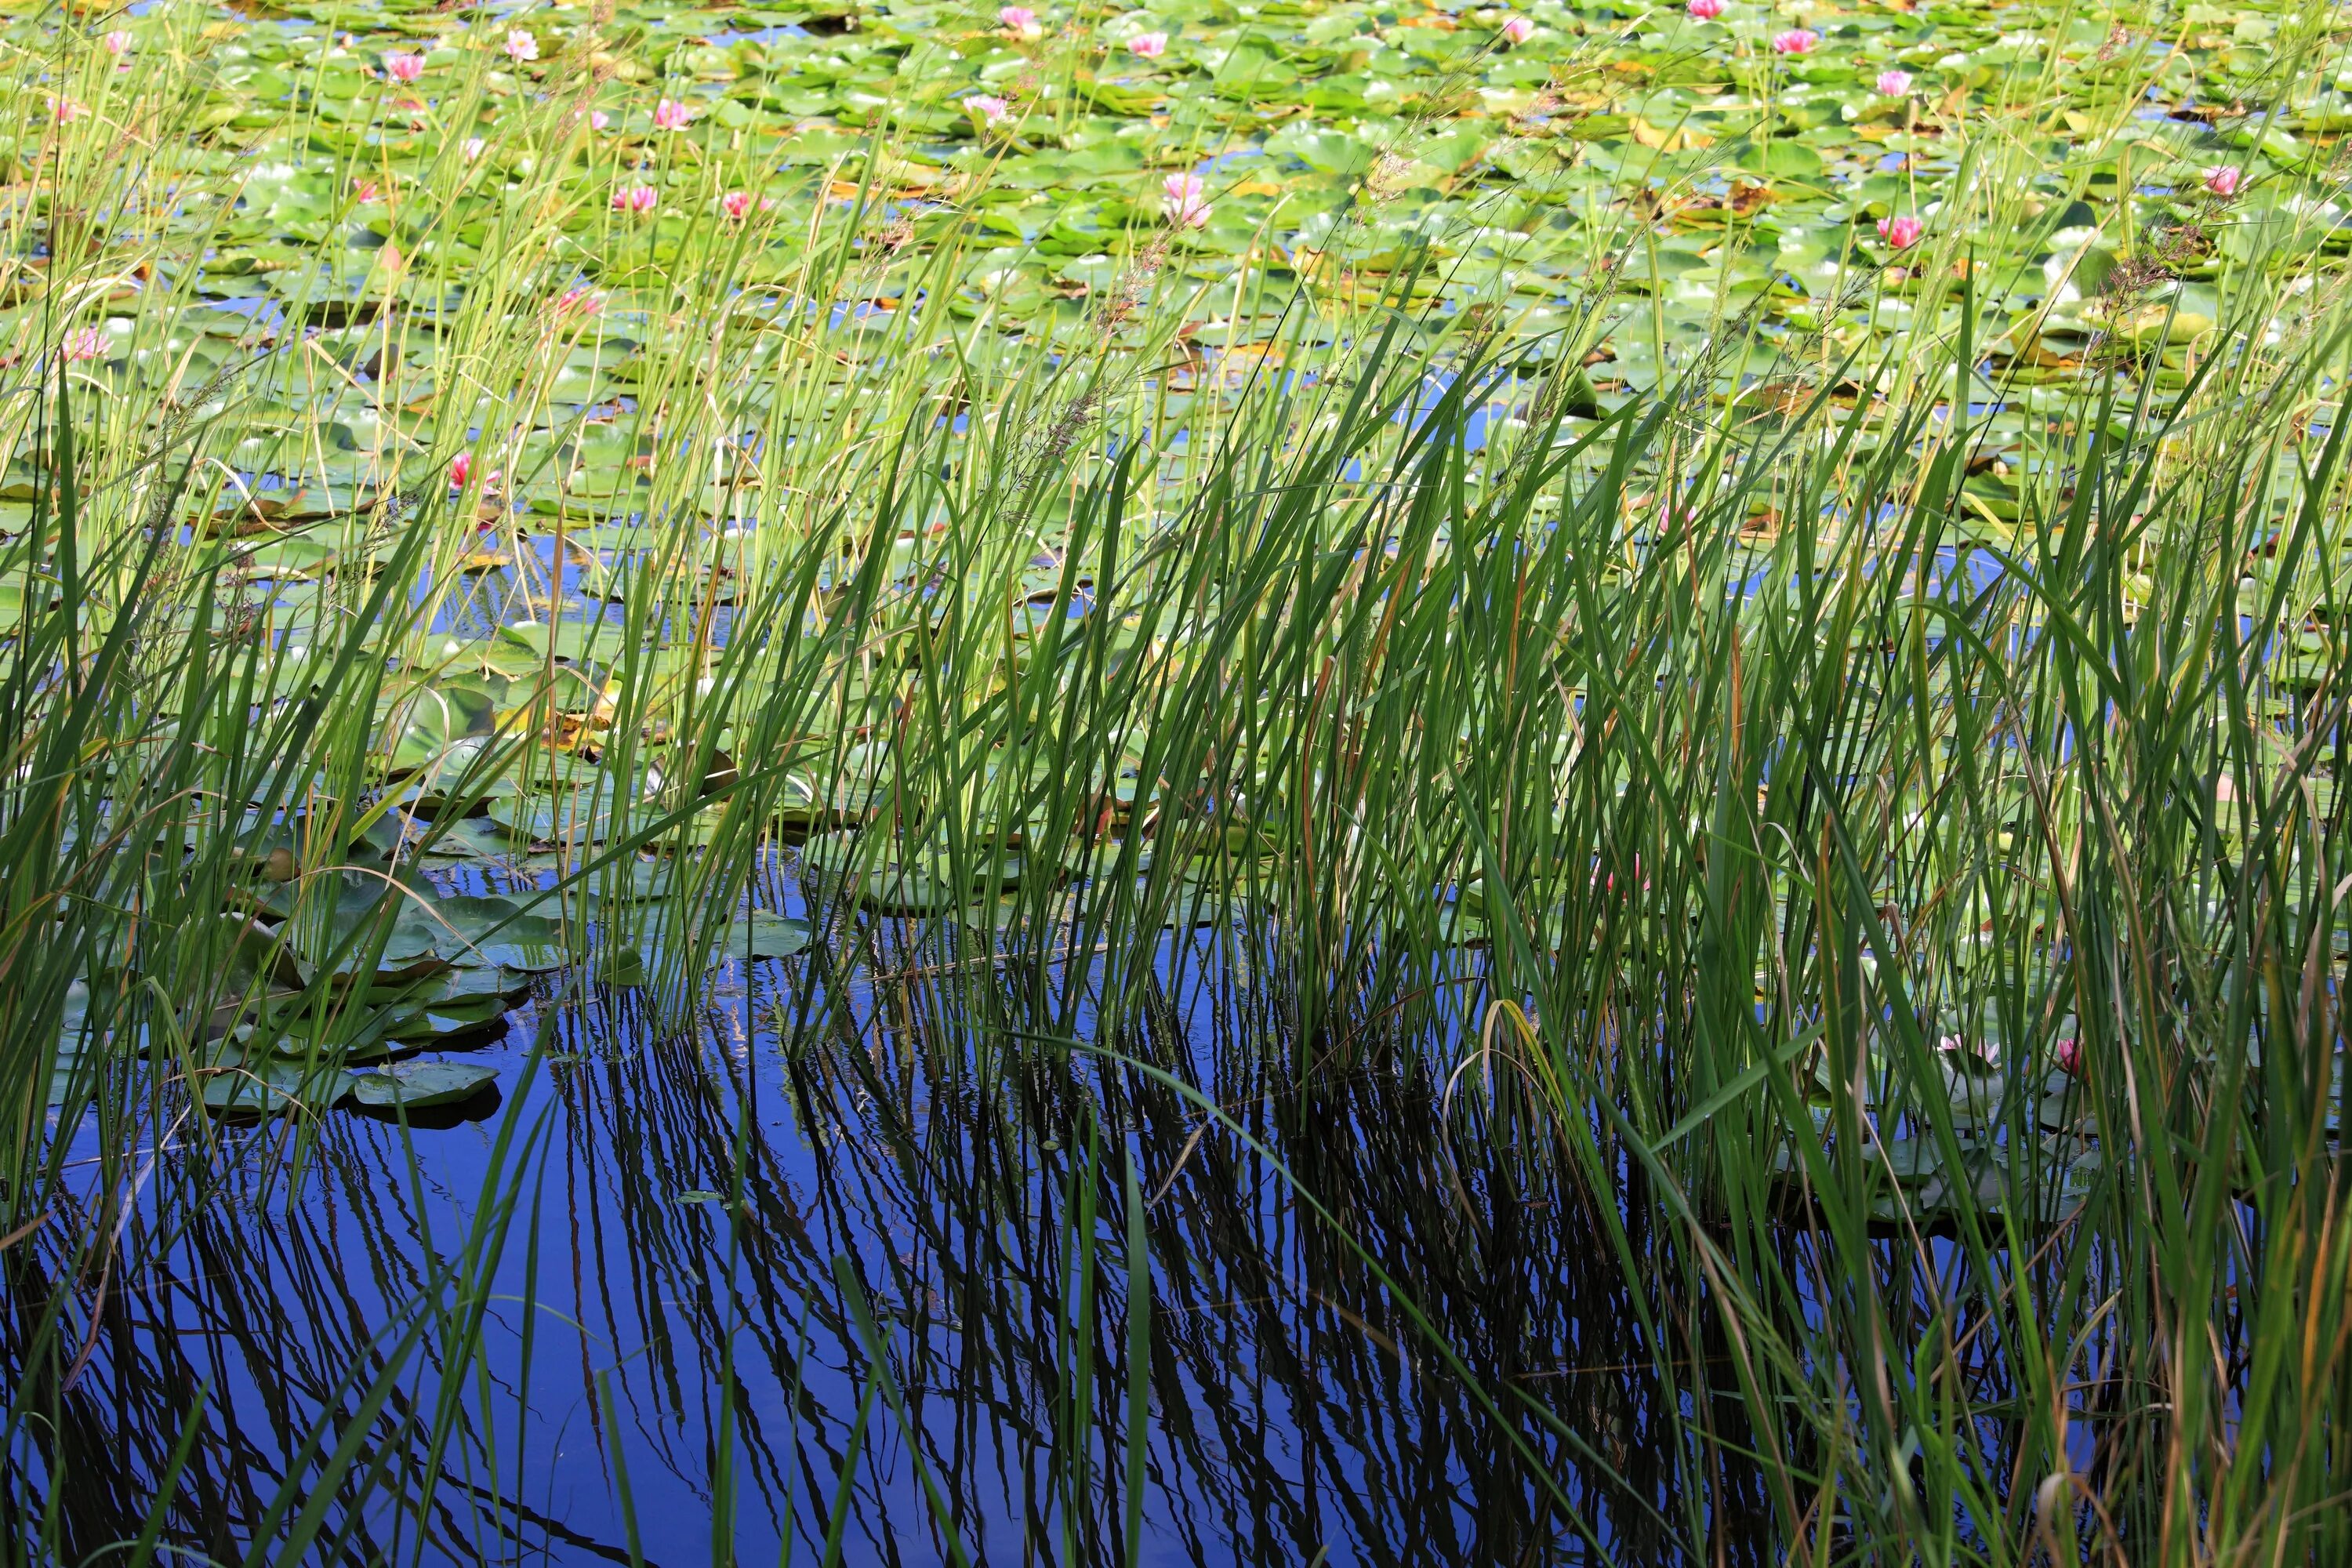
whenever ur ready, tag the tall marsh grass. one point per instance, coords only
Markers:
(1854, 829)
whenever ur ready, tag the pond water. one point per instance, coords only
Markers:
(668, 1363)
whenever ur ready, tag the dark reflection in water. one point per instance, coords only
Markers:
(657, 1356)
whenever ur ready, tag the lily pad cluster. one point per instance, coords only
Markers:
(363, 967)
(1981, 1133)
(356, 968)
(1827, 173)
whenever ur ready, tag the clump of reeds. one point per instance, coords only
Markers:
(1891, 856)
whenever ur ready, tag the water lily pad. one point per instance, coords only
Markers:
(526, 958)
(761, 934)
(626, 963)
(468, 838)
(416, 1086)
(449, 1022)
(273, 1089)
(1197, 903)
(632, 881)
(572, 642)
(911, 882)
(368, 1041)
(473, 921)
(572, 817)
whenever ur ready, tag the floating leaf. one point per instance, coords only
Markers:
(567, 819)
(416, 1086)
(273, 1088)
(526, 958)
(764, 935)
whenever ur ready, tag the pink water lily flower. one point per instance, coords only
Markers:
(1901, 233)
(2070, 1055)
(1020, 21)
(367, 191)
(735, 203)
(1519, 29)
(671, 115)
(577, 302)
(1894, 84)
(117, 42)
(1796, 41)
(67, 109)
(1188, 205)
(471, 148)
(2223, 182)
(461, 470)
(636, 199)
(1705, 10)
(1148, 45)
(521, 46)
(992, 111)
(86, 343)
(598, 119)
(403, 68)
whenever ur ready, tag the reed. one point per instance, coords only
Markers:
(1466, 739)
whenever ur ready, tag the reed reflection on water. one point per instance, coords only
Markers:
(609, 1320)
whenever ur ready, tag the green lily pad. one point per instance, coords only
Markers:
(632, 881)
(925, 883)
(417, 1086)
(468, 838)
(765, 935)
(626, 964)
(541, 819)
(273, 1089)
(526, 958)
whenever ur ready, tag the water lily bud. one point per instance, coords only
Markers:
(1894, 84)
(2223, 182)
(1187, 206)
(1901, 233)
